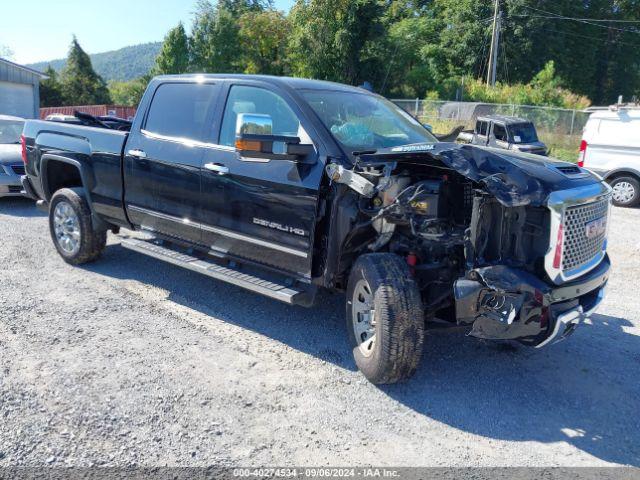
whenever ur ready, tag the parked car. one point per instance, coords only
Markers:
(508, 133)
(286, 186)
(11, 166)
(611, 148)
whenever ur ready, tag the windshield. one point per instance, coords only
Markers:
(10, 131)
(523, 133)
(361, 122)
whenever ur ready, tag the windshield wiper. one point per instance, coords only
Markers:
(364, 152)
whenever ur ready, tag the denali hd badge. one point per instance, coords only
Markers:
(278, 226)
(596, 228)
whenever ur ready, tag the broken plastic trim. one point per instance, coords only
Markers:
(339, 174)
(502, 303)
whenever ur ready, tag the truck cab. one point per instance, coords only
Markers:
(508, 133)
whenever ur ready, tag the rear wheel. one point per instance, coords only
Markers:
(626, 191)
(385, 320)
(71, 227)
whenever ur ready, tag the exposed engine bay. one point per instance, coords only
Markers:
(474, 231)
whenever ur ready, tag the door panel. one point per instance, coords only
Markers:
(163, 160)
(261, 210)
(163, 189)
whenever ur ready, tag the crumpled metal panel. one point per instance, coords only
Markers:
(515, 179)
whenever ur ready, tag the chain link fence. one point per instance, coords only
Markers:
(561, 129)
(546, 119)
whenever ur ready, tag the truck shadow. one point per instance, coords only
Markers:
(19, 207)
(318, 331)
(584, 391)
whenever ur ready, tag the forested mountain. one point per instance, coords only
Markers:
(124, 64)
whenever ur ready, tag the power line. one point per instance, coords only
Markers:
(589, 37)
(482, 57)
(562, 17)
(601, 40)
(505, 64)
(587, 22)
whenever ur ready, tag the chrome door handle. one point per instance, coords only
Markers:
(216, 167)
(137, 153)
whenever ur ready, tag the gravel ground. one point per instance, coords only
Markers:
(131, 361)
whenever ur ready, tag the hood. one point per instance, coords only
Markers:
(514, 178)
(526, 147)
(10, 154)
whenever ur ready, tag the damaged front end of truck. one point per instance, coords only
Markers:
(511, 245)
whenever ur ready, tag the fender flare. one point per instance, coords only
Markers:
(86, 177)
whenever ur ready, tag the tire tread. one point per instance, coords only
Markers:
(93, 242)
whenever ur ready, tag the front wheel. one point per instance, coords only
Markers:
(385, 319)
(626, 191)
(71, 227)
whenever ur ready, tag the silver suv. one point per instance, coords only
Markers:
(11, 165)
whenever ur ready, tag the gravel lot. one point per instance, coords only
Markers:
(131, 361)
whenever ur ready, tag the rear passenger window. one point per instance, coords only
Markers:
(179, 110)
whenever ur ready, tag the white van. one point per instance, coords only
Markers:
(611, 148)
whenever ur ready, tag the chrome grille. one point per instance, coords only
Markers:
(578, 248)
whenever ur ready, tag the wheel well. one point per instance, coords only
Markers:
(623, 173)
(61, 175)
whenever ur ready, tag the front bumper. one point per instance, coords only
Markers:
(503, 303)
(10, 185)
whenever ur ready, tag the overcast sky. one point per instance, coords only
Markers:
(37, 30)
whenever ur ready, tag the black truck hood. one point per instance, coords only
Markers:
(515, 179)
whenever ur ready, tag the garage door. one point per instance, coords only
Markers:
(16, 99)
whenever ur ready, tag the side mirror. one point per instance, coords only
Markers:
(254, 124)
(254, 139)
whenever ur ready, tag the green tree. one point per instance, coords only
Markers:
(263, 37)
(51, 90)
(174, 55)
(80, 84)
(6, 52)
(129, 93)
(337, 40)
(200, 47)
(214, 40)
(411, 36)
(216, 34)
(240, 7)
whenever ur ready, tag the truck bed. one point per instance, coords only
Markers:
(96, 153)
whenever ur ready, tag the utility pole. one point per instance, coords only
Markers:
(495, 40)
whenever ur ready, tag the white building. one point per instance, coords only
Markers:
(19, 90)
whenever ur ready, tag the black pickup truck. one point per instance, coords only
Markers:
(286, 186)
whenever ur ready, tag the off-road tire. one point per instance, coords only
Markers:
(633, 182)
(399, 318)
(92, 242)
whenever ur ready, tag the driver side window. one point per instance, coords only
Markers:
(245, 99)
(500, 132)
